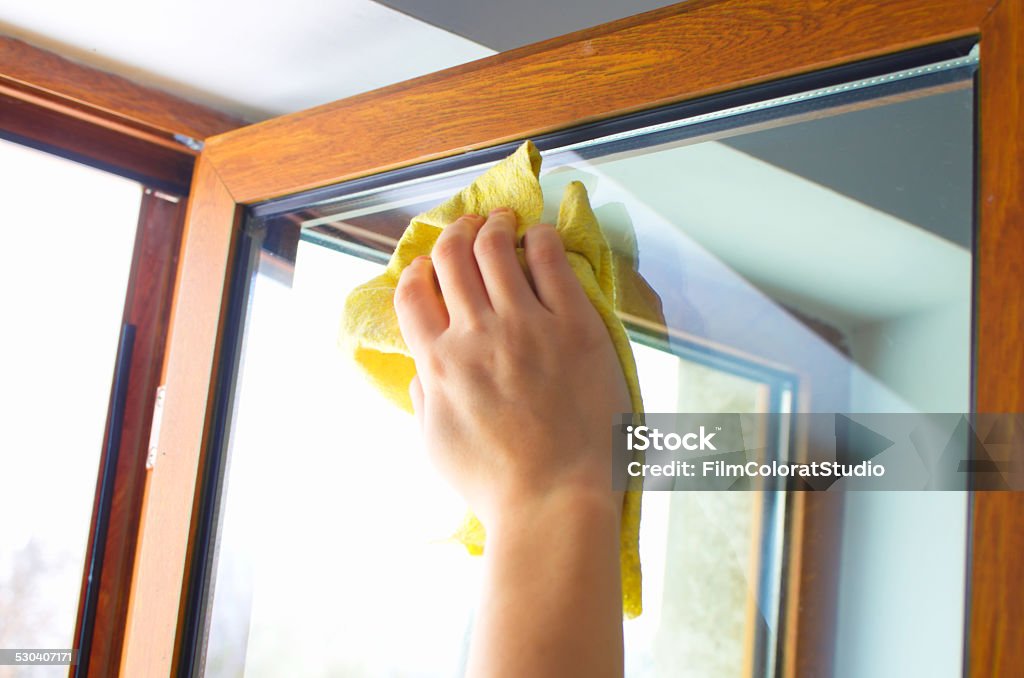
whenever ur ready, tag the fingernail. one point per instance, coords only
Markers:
(421, 259)
(500, 210)
(473, 217)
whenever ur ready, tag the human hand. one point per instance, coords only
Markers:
(518, 379)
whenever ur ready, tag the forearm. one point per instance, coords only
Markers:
(487, 341)
(552, 603)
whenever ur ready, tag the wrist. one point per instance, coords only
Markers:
(568, 508)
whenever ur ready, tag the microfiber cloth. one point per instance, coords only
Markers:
(370, 326)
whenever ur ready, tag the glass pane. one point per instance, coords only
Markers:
(69, 233)
(805, 252)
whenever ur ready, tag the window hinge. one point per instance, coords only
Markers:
(167, 197)
(189, 142)
(154, 431)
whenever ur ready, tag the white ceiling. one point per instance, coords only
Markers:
(253, 59)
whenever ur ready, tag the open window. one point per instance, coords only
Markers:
(96, 176)
(804, 215)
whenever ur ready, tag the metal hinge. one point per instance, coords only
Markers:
(189, 142)
(163, 196)
(154, 431)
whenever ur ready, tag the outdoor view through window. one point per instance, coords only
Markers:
(68, 236)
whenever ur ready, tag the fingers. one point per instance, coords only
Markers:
(421, 313)
(457, 270)
(479, 273)
(495, 252)
(557, 286)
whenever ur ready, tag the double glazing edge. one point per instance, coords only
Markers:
(907, 74)
(919, 67)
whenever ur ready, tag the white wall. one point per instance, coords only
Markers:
(923, 357)
(903, 560)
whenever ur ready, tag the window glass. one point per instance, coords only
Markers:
(68, 232)
(803, 251)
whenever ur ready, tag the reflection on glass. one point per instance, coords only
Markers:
(809, 255)
(68, 231)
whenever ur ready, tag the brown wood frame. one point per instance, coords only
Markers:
(106, 121)
(712, 46)
(57, 105)
(147, 307)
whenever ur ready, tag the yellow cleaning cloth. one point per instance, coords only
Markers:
(370, 327)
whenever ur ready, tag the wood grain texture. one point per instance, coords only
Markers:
(148, 304)
(72, 110)
(1000, 294)
(166, 168)
(996, 632)
(196, 313)
(810, 590)
(73, 86)
(666, 56)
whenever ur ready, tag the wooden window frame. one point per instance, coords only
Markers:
(103, 120)
(55, 105)
(713, 46)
